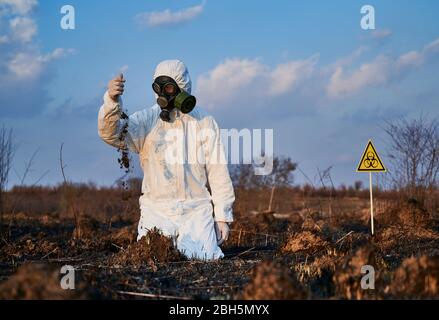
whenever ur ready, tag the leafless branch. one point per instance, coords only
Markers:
(7, 150)
(62, 165)
(413, 151)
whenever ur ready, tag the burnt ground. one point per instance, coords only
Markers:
(297, 255)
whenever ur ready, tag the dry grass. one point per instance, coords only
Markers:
(309, 247)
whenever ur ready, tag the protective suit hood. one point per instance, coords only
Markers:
(177, 70)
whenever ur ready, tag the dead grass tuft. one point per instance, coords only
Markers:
(272, 281)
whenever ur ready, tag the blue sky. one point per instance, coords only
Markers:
(305, 69)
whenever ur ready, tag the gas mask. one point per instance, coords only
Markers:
(170, 96)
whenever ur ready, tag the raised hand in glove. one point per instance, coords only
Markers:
(116, 87)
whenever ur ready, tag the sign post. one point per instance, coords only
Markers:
(371, 162)
(371, 203)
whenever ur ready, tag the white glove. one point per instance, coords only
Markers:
(222, 231)
(116, 87)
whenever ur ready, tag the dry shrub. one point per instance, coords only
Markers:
(29, 247)
(405, 241)
(317, 273)
(324, 262)
(258, 229)
(38, 282)
(312, 225)
(351, 242)
(86, 228)
(406, 213)
(260, 222)
(347, 277)
(124, 236)
(389, 238)
(102, 203)
(321, 275)
(417, 278)
(304, 242)
(150, 249)
(272, 281)
(90, 231)
(393, 237)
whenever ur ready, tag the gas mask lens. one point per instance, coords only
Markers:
(170, 89)
(165, 86)
(156, 88)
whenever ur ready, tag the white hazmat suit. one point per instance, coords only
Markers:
(180, 160)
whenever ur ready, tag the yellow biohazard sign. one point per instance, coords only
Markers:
(370, 161)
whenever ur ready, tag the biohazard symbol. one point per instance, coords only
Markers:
(370, 161)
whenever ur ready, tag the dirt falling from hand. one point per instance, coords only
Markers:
(124, 158)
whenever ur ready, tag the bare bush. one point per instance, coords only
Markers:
(243, 175)
(6, 155)
(358, 185)
(414, 155)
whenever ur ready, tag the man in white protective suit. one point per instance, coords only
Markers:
(186, 189)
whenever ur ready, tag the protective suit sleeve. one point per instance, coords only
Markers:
(218, 176)
(121, 133)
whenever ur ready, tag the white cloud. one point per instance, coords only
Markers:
(409, 60)
(380, 71)
(22, 60)
(373, 73)
(432, 47)
(248, 81)
(23, 28)
(22, 7)
(285, 76)
(225, 81)
(167, 17)
(57, 54)
(348, 60)
(380, 34)
(27, 65)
